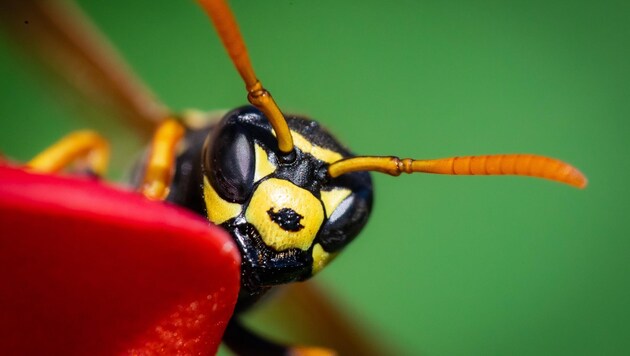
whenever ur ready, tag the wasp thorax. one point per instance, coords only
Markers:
(287, 216)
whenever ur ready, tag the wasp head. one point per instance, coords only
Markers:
(287, 215)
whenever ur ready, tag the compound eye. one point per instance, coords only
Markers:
(229, 162)
(346, 220)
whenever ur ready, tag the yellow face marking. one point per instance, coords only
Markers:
(263, 166)
(277, 194)
(333, 198)
(321, 258)
(219, 210)
(318, 152)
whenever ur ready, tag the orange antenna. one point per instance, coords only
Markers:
(514, 164)
(258, 96)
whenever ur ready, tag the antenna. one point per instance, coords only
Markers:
(505, 164)
(228, 31)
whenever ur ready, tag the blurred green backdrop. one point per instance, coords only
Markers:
(447, 265)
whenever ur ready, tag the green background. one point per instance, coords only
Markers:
(447, 265)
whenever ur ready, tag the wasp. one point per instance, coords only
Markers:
(289, 193)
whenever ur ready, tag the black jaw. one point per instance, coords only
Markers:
(261, 266)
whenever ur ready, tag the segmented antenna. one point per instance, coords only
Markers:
(228, 31)
(505, 164)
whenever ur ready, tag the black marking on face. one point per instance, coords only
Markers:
(287, 219)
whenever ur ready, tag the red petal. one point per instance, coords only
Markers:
(89, 269)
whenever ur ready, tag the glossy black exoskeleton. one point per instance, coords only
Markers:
(227, 158)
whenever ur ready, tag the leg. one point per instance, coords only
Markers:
(243, 342)
(86, 145)
(161, 161)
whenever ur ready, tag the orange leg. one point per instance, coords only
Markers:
(159, 167)
(87, 145)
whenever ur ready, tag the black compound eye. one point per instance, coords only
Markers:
(346, 221)
(229, 161)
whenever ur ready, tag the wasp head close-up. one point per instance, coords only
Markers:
(156, 197)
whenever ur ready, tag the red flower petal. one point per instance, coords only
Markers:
(90, 269)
